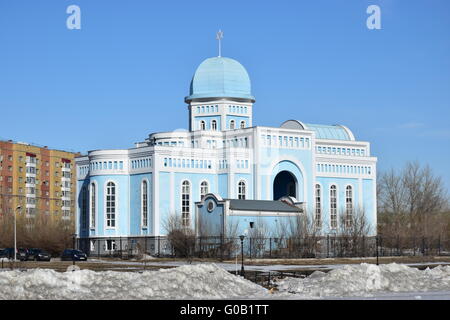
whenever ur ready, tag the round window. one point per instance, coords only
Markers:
(210, 206)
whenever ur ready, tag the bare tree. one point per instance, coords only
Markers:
(411, 202)
(258, 237)
(40, 230)
(352, 232)
(303, 235)
(181, 237)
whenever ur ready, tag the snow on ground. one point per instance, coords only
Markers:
(185, 282)
(209, 281)
(237, 266)
(388, 281)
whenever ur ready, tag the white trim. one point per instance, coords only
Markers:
(329, 206)
(190, 199)
(200, 188)
(232, 212)
(141, 203)
(95, 186)
(245, 188)
(116, 206)
(315, 202)
(299, 165)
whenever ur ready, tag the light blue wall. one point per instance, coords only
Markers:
(212, 220)
(248, 178)
(208, 120)
(164, 199)
(135, 204)
(123, 201)
(303, 175)
(237, 121)
(222, 188)
(341, 183)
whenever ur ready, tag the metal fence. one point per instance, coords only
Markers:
(254, 248)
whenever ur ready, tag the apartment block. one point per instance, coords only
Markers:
(38, 179)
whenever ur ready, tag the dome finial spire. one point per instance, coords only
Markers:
(219, 36)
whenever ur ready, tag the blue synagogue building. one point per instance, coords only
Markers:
(225, 169)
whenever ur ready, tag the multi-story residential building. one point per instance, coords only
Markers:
(38, 179)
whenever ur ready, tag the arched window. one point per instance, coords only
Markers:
(204, 189)
(111, 205)
(84, 207)
(93, 204)
(185, 202)
(241, 190)
(214, 125)
(348, 206)
(318, 216)
(232, 124)
(202, 125)
(144, 204)
(333, 207)
(242, 124)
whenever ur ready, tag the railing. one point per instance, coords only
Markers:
(260, 248)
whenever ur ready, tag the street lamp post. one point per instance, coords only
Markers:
(74, 238)
(15, 233)
(242, 255)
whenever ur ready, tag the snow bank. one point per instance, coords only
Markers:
(206, 281)
(368, 280)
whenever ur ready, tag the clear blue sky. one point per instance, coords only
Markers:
(126, 72)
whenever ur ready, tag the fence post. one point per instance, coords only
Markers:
(99, 242)
(376, 244)
(328, 246)
(270, 248)
(398, 245)
(145, 245)
(120, 246)
(363, 246)
(423, 246)
(250, 240)
(159, 246)
(439, 246)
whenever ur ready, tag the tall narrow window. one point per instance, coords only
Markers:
(348, 206)
(241, 190)
(242, 124)
(214, 125)
(185, 202)
(333, 207)
(232, 124)
(93, 204)
(84, 207)
(318, 216)
(203, 189)
(111, 205)
(202, 125)
(144, 204)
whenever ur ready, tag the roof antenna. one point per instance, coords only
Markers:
(219, 36)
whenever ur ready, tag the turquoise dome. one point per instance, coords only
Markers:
(220, 77)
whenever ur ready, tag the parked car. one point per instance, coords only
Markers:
(22, 254)
(37, 254)
(73, 255)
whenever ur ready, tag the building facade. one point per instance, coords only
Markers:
(38, 179)
(132, 192)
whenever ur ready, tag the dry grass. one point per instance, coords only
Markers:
(327, 261)
(111, 265)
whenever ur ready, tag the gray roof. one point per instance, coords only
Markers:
(262, 205)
